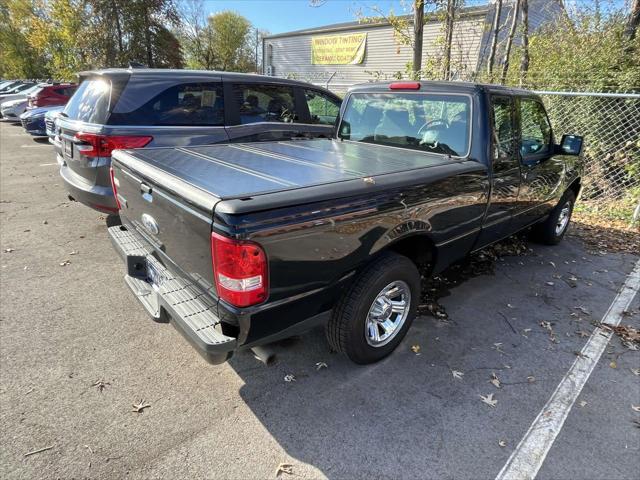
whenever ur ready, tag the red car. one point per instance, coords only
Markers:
(50, 95)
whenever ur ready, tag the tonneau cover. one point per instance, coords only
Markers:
(248, 169)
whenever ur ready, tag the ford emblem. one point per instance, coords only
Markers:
(150, 223)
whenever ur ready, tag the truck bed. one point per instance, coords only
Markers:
(244, 170)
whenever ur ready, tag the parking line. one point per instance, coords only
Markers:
(526, 460)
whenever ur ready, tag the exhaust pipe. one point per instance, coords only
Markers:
(265, 354)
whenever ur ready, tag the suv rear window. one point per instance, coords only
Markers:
(187, 104)
(91, 101)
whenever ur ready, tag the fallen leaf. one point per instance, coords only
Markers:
(551, 284)
(415, 349)
(489, 400)
(582, 403)
(580, 354)
(73, 252)
(582, 309)
(65, 263)
(531, 379)
(139, 408)
(289, 378)
(284, 468)
(552, 264)
(494, 380)
(321, 365)
(635, 408)
(583, 334)
(8, 250)
(527, 330)
(510, 306)
(100, 385)
(636, 371)
(613, 364)
(457, 374)
(502, 443)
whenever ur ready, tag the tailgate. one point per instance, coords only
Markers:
(172, 215)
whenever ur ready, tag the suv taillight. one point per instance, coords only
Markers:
(114, 187)
(94, 145)
(240, 271)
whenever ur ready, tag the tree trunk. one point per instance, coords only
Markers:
(524, 61)
(495, 29)
(507, 48)
(448, 39)
(632, 23)
(116, 14)
(418, 27)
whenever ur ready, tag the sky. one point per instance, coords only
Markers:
(278, 16)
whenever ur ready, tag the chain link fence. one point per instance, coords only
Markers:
(610, 125)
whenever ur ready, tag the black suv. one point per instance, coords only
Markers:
(134, 108)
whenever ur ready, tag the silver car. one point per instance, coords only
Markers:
(135, 108)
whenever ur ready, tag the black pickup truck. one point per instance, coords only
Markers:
(240, 245)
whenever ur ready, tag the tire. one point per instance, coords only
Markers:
(352, 328)
(552, 230)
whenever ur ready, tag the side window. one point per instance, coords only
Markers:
(502, 130)
(264, 103)
(535, 130)
(195, 104)
(322, 109)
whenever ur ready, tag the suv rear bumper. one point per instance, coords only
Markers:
(95, 196)
(188, 306)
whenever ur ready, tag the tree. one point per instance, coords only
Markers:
(231, 41)
(495, 31)
(448, 38)
(418, 29)
(18, 58)
(524, 59)
(512, 32)
(224, 41)
(632, 22)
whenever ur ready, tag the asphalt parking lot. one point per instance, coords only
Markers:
(77, 352)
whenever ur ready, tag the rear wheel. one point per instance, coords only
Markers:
(552, 230)
(374, 315)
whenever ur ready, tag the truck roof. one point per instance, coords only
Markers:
(440, 86)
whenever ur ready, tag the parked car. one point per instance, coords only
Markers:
(51, 95)
(50, 124)
(21, 91)
(239, 245)
(33, 121)
(12, 109)
(8, 85)
(139, 107)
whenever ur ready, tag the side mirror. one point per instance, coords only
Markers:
(571, 145)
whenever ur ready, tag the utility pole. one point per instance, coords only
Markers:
(418, 28)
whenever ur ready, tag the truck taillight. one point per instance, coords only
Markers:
(404, 86)
(240, 271)
(94, 145)
(114, 186)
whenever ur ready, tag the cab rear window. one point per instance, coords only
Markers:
(418, 121)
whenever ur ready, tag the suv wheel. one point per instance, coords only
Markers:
(374, 315)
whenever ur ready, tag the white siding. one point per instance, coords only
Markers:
(384, 54)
